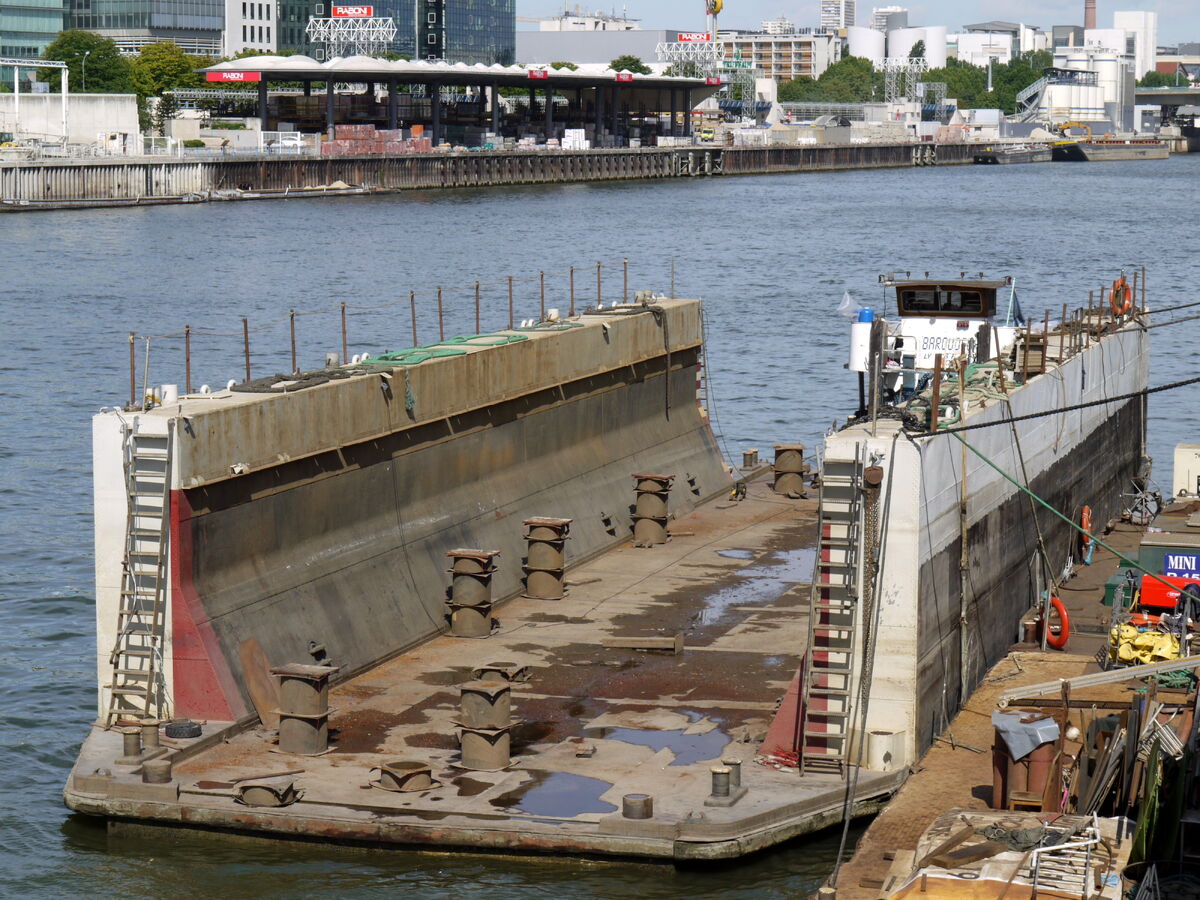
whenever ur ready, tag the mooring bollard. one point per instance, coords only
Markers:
(131, 747)
(303, 708)
(485, 720)
(156, 771)
(545, 558)
(471, 592)
(637, 806)
(150, 734)
(790, 469)
(650, 515)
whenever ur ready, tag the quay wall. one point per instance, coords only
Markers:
(938, 636)
(125, 181)
(325, 514)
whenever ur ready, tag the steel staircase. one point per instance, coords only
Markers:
(137, 687)
(1029, 101)
(828, 682)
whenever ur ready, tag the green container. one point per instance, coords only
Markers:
(1114, 582)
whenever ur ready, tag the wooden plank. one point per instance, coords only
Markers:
(673, 643)
(260, 685)
(948, 844)
(965, 855)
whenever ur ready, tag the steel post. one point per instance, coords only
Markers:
(262, 102)
(132, 369)
(330, 108)
(412, 308)
(477, 326)
(345, 340)
(435, 113)
(292, 329)
(393, 104)
(187, 358)
(246, 344)
(687, 112)
(495, 109)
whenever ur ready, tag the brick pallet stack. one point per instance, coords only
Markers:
(360, 140)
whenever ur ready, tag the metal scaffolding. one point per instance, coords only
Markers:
(352, 36)
(901, 77)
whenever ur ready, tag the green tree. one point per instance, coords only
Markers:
(163, 66)
(1161, 79)
(629, 63)
(801, 89)
(917, 51)
(683, 69)
(108, 72)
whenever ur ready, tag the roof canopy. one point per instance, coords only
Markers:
(365, 68)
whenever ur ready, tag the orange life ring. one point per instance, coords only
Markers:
(1121, 297)
(1143, 620)
(1085, 522)
(1058, 639)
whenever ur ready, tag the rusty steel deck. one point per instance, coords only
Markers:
(594, 722)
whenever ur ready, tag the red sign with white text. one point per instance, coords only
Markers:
(233, 76)
(711, 79)
(624, 76)
(539, 73)
(689, 36)
(352, 12)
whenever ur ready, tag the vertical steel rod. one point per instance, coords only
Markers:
(572, 272)
(936, 397)
(441, 319)
(477, 327)
(542, 308)
(1062, 333)
(510, 303)
(292, 329)
(1143, 287)
(625, 288)
(599, 298)
(132, 370)
(246, 344)
(187, 359)
(672, 278)
(345, 342)
(412, 306)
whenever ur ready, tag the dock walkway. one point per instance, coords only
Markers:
(595, 722)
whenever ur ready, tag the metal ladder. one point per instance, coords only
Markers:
(138, 687)
(1065, 868)
(825, 727)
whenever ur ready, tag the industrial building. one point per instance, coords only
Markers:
(461, 104)
(195, 25)
(28, 26)
(886, 18)
(1141, 30)
(1092, 84)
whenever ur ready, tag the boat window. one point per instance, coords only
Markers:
(919, 301)
(943, 301)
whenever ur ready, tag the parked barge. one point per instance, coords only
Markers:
(1019, 153)
(598, 672)
(1110, 150)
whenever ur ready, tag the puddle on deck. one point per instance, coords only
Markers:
(736, 554)
(558, 794)
(688, 748)
(763, 582)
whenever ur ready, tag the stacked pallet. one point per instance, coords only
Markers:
(360, 140)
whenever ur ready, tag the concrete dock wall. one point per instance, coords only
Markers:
(121, 181)
(325, 514)
(932, 646)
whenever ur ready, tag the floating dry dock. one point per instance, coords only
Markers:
(310, 523)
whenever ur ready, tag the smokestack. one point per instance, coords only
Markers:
(1089, 13)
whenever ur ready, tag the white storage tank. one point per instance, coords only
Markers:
(866, 43)
(935, 46)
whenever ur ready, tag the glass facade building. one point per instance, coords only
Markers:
(195, 25)
(28, 26)
(468, 31)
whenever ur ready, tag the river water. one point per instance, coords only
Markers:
(771, 256)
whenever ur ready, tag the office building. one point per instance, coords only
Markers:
(250, 25)
(195, 25)
(590, 47)
(784, 57)
(836, 14)
(466, 31)
(581, 21)
(28, 26)
(782, 25)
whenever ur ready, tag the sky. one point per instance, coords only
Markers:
(1178, 20)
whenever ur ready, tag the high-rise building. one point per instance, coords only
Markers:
(889, 18)
(28, 26)
(836, 14)
(783, 57)
(466, 31)
(1141, 29)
